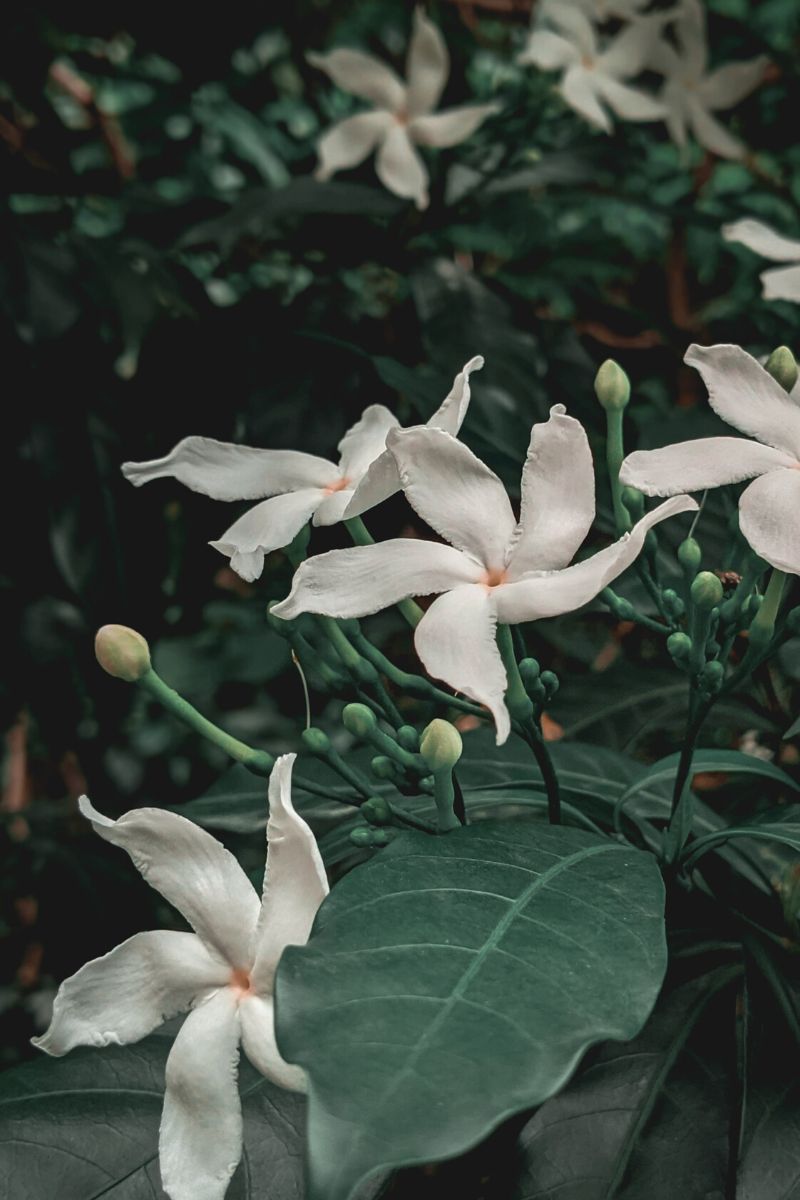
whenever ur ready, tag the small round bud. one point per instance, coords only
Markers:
(550, 683)
(529, 672)
(440, 745)
(408, 738)
(782, 367)
(612, 386)
(712, 677)
(383, 768)
(633, 500)
(359, 720)
(623, 608)
(752, 604)
(706, 591)
(376, 810)
(793, 621)
(315, 740)
(690, 555)
(673, 603)
(122, 652)
(382, 837)
(361, 836)
(679, 646)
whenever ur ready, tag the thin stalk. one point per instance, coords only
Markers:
(521, 708)
(415, 685)
(615, 453)
(362, 537)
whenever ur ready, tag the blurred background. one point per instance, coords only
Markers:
(169, 265)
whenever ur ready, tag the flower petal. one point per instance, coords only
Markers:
(629, 103)
(556, 592)
(333, 508)
(270, 525)
(695, 466)
(454, 492)
(295, 883)
(746, 396)
(456, 642)
(192, 870)
(769, 517)
(227, 472)
(576, 26)
(257, 1016)
(349, 142)
(710, 133)
(400, 168)
(366, 579)
(200, 1140)
(450, 414)
(129, 992)
(726, 86)
(427, 66)
(450, 127)
(579, 89)
(629, 52)
(762, 240)
(362, 75)
(690, 30)
(781, 283)
(365, 440)
(549, 51)
(557, 496)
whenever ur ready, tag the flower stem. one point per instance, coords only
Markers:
(362, 537)
(615, 452)
(415, 685)
(521, 709)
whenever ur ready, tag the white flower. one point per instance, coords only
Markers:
(691, 93)
(592, 79)
(747, 397)
(403, 115)
(222, 974)
(300, 486)
(599, 10)
(496, 569)
(779, 283)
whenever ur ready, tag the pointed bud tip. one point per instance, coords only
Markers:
(782, 366)
(122, 652)
(612, 386)
(358, 719)
(440, 745)
(706, 590)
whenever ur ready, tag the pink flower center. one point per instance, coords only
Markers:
(337, 486)
(494, 577)
(241, 984)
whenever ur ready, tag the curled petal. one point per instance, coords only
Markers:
(257, 1016)
(450, 127)
(193, 871)
(554, 592)
(557, 496)
(295, 883)
(200, 1140)
(710, 133)
(400, 168)
(456, 642)
(450, 414)
(695, 466)
(769, 517)
(762, 240)
(349, 142)
(269, 526)
(455, 493)
(781, 283)
(362, 75)
(129, 992)
(629, 103)
(729, 84)
(227, 472)
(362, 443)
(549, 51)
(579, 89)
(746, 396)
(366, 579)
(428, 65)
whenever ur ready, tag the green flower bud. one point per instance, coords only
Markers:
(612, 386)
(361, 836)
(793, 621)
(550, 683)
(673, 603)
(376, 811)
(122, 652)
(633, 500)
(315, 740)
(690, 555)
(408, 738)
(752, 604)
(679, 646)
(529, 672)
(622, 608)
(712, 677)
(359, 720)
(383, 768)
(440, 745)
(782, 367)
(706, 591)
(382, 837)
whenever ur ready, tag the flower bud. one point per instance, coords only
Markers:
(315, 740)
(361, 836)
(529, 671)
(383, 768)
(782, 367)
(440, 745)
(633, 500)
(706, 591)
(679, 646)
(408, 738)
(376, 811)
(122, 652)
(612, 386)
(793, 621)
(550, 683)
(359, 720)
(673, 603)
(690, 555)
(712, 677)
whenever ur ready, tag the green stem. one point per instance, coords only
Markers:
(362, 537)
(680, 820)
(415, 685)
(615, 452)
(444, 795)
(763, 625)
(520, 706)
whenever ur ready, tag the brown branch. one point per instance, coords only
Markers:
(80, 91)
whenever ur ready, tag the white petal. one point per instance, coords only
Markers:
(366, 579)
(729, 84)
(549, 51)
(333, 507)
(456, 642)
(769, 517)
(200, 1140)
(427, 66)
(690, 29)
(400, 168)
(450, 127)
(349, 142)
(362, 75)
(257, 1016)
(630, 51)
(695, 466)
(271, 525)
(710, 133)
(557, 496)
(365, 440)
(579, 89)
(295, 883)
(762, 240)
(781, 283)
(450, 414)
(192, 870)
(673, 97)
(556, 592)
(746, 396)
(129, 992)
(575, 26)
(629, 103)
(455, 493)
(227, 472)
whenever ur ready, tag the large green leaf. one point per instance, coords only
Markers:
(729, 762)
(453, 981)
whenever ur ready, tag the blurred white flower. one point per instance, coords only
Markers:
(779, 283)
(593, 74)
(403, 115)
(497, 569)
(691, 93)
(745, 395)
(299, 486)
(599, 10)
(222, 974)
